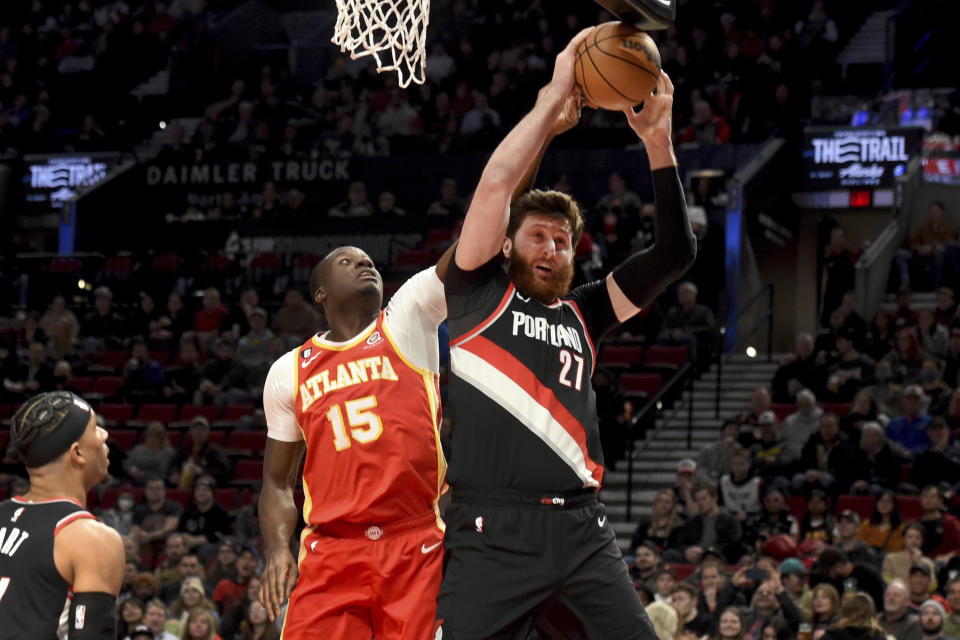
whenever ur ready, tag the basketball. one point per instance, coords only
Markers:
(617, 66)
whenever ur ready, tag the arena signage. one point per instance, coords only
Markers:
(857, 158)
(50, 180)
(943, 168)
(235, 173)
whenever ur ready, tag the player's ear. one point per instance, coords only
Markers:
(319, 296)
(507, 247)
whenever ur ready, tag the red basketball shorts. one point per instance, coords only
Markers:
(359, 582)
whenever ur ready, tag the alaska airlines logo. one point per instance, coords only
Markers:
(345, 375)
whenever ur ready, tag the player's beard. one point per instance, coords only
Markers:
(521, 271)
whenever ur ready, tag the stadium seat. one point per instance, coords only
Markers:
(640, 384)
(118, 413)
(209, 411)
(782, 410)
(113, 359)
(797, 504)
(839, 408)
(910, 508)
(862, 505)
(6, 411)
(162, 357)
(181, 496)
(620, 356)
(81, 385)
(674, 357)
(233, 412)
(107, 386)
(247, 442)
(247, 472)
(157, 413)
(681, 571)
(226, 498)
(126, 439)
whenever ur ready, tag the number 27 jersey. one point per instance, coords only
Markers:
(369, 412)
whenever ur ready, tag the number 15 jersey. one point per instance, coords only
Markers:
(369, 412)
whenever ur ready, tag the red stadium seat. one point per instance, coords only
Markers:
(797, 504)
(674, 357)
(81, 385)
(162, 357)
(119, 413)
(233, 412)
(839, 408)
(226, 498)
(862, 505)
(620, 356)
(642, 384)
(113, 359)
(157, 413)
(681, 571)
(3, 493)
(174, 436)
(247, 497)
(209, 411)
(247, 442)
(6, 411)
(910, 508)
(107, 386)
(248, 472)
(126, 439)
(180, 495)
(782, 410)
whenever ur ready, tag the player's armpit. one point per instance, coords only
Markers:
(89, 555)
(444, 261)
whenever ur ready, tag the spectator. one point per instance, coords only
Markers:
(660, 526)
(706, 128)
(908, 433)
(482, 118)
(192, 598)
(201, 625)
(253, 349)
(58, 316)
(143, 317)
(854, 325)
(846, 539)
(903, 316)
(387, 208)
(208, 321)
(739, 490)
(857, 621)
(103, 328)
(897, 619)
(769, 600)
(225, 565)
(714, 461)
(664, 619)
(934, 338)
(689, 324)
(130, 616)
(710, 527)
(691, 619)
(933, 387)
(120, 517)
(826, 344)
(646, 560)
(932, 618)
(838, 272)
(940, 462)
(898, 564)
(920, 584)
(234, 618)
(798, 371)
(774, 520)
(154, 617)
(834, 567)
(182, 382)
(928, 244)
(772, 456)
(355, 206)
(731, 625)
(32, 377)
(173, 322)
(951, 624)
(142, 375)
(157, 518)
(144, 586)
(684, 486)
(825, 606)
(887, 392)
(941, 531)
(711, 585)
(851, 370)
(225, 379)
(862, 409)
(945, 309)
(174, 549)
(817, 522)
(229, 591)
(204, 522)
(804, 422)
(619, 195)
(450, 206)
(750, 420)
(188, 567)
(952, 415)
(153, 457)
(877, 467)
(257, 626)
(295, 320)
(884, 530)
(793, 573)
(880, 334)
(198, 456)
(827, 458)
(951, 359)
(664, 582)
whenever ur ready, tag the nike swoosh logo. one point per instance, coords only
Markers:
(602, 521)
(305, 363)
(424, 549)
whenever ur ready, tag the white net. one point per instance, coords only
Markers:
(394, 32)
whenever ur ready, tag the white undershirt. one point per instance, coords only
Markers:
(412, 317)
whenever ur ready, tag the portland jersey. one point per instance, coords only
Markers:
(523, 408)
(369, 413)
(33, 594)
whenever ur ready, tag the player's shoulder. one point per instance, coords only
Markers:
(88, 535)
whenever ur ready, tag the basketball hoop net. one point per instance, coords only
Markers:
(394, 32)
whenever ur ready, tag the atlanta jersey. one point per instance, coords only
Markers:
(33, 594)
(524, 411)
(369, 412)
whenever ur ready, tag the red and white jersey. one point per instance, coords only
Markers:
(369, 412)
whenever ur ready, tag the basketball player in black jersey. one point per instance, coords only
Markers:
(60, 569)
(527, 543)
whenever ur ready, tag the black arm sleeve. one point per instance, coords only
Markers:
(93, 616)
(644, 275)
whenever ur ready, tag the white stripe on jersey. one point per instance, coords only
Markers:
(521, 405)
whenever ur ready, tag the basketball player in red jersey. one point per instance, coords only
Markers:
(59, 567)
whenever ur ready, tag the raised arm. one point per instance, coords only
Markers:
(486, 221)
(278, 518)
(641, 277)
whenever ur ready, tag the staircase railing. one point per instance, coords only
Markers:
(766, 319)
(683, 375)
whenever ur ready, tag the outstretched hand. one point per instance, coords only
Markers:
(655, 121)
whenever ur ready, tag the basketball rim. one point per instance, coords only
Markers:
(649, 15)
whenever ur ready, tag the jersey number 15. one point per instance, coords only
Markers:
(365, 426)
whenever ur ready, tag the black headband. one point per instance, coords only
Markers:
(52, 444)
